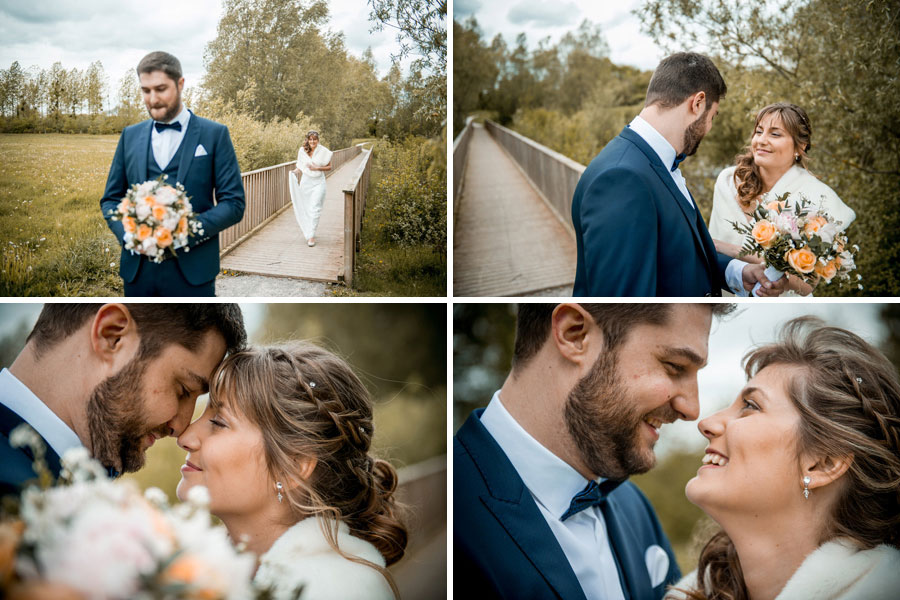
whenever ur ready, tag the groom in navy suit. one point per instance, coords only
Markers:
(541, 505)
(192, 151)
(638, 229)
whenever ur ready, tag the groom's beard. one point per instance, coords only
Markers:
(115, 419)
(172, 110)
(693, 135)
(603, 424)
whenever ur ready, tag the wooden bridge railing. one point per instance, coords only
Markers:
(423, 488)
(553, 175)
(266, 194)
(460, 154)
(354, 210)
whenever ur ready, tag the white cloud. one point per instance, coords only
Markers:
(543, 14)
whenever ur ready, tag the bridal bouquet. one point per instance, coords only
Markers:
(91, 537)
(157, 216)
(793, 237)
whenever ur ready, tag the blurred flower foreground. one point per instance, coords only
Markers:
(87, 536)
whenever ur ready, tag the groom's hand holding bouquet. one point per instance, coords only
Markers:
(793, 237)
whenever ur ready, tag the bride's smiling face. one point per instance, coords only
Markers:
(751, 466)
(772, 145)
(225, 454)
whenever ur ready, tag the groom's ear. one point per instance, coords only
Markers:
(113, 335)
(575, 335)
(698, 103)
(823, 471)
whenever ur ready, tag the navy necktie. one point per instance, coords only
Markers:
(163, 126)
(678, 159)
(591, 495)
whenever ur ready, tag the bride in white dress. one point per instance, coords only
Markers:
(308, 185)
(774, 163)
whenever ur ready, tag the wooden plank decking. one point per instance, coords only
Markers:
(506, 240)
(279, 248)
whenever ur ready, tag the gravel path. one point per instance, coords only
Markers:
(238, 286)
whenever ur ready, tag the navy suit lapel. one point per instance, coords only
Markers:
(9, 420)
(630, 562)
(188, 147)
(512, 505)
(137, 173)
(690, 213)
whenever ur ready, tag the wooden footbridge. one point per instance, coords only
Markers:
(268, 240)
(512, 226)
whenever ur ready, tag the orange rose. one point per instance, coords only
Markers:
(129, 224)
(124, 205)
(802, 260)
(192, 571)
(828, 270)
(814, 224)
(182, 226)
(150, 200)
(159, 212)
(144, 231)
(764, 233)
(775, 205)
(163, 237)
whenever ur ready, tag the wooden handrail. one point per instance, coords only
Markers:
(460, 154)
(266, 194)
(354, 210)
(552, 174)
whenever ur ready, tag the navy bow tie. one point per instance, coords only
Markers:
(113, 474)
(678, 159)
(591, 495)
(163, 126)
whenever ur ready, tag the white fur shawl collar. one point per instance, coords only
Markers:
(837, 570)
(302, 556)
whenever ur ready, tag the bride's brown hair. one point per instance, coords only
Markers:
(848, 397)
(309, 404)
(746, 176)
(309, 134)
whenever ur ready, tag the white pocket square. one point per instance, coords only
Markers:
(657, 562)
(201, 151)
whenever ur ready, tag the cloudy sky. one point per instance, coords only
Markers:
(539, 19)
(120, 32)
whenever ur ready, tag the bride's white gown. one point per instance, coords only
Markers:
(796, 180)
(308, 196)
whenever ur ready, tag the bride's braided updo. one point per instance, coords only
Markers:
(849, 403)
(309, 404)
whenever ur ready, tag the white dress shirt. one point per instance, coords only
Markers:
(734, 271)
(552, 483)
(16, 396)
(165, 143)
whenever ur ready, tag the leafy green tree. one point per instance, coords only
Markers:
(94, 86)
(474, 71)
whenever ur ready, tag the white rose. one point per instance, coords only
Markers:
(142, 209)
(827, 233)
(166, 196)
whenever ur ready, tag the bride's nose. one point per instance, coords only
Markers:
(713, 425)
(189, 440)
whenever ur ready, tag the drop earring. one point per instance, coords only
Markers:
(279, 487)
(806, 481)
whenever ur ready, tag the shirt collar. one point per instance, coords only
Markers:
(551, 480)
(655, 140)
(22, 401)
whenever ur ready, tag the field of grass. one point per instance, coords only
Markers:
(53, 237)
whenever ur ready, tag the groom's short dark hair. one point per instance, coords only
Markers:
(680, 76)
(614, 320)
(160, 61)
(158, 325)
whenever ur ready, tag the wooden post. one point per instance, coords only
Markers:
(349, 245)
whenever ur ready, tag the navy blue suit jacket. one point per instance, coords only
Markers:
(503, 547)
(213, 183)
(636, 235)
(16, 463)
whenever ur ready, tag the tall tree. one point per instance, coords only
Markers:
(56, 89)
(474, 71)
(95, 84)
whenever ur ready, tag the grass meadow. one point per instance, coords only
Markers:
(54, 240)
